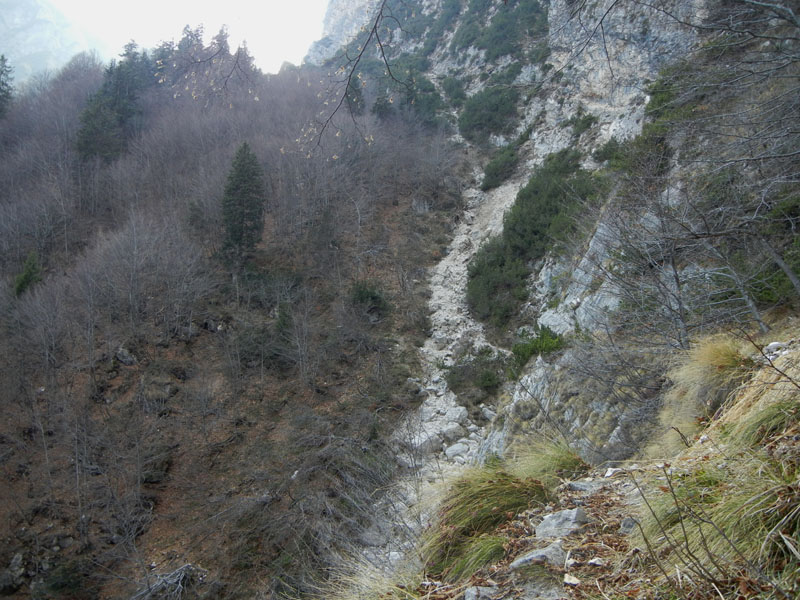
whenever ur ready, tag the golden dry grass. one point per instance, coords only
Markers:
(702, 380)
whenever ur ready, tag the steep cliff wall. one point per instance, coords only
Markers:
(343, 20)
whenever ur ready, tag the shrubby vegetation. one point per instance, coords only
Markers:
(513, 22)
(503, 163)
(541, 216)
(500, 168)
(544, 342)
(476, 377)
(454, 88)
(580, 122)
(490, 111)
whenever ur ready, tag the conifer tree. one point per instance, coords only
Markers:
(6, 88)
(243, 203)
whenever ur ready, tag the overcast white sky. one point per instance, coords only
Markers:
(275, 30)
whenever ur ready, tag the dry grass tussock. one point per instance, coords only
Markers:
(362, 580)
(549, 459)
(470, 528)
(726, 513)
(702, 380)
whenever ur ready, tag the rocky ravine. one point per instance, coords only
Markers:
(601, 78)
(438, 438)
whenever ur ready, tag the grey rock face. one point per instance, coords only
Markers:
(343, 21)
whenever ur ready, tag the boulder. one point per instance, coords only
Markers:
(427, 442)
(458, 449)
(452, 431)
(457, 414)
(587, 485)
(562, 523)
(11, 578)
(125, 357)
(552, 555)
(479, 593)
(627, 525)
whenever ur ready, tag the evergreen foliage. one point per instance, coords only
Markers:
(423, 98)
(368, 296)
(514, 20)
(503, 164)
(541, 214)
(243, 203)
(490, 111)
(6, 87)
(454, 88)
(113, 114)
(31, 274)
(545, 342)
(500, 168)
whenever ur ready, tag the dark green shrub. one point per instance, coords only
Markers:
(543, 210)
(513, 21)
(369, 297)
(502, 165)
(425, 100)
(490, 111)
(454, 88)
(489, 380)
(774, 285)
(447, 15)
(383, 108)
(507, 75)
(539, 53)
(500, 168)
(542, 214)
(496, 283)
(648, 153)
(466, 36)
(611, 151)
(31, 274)
(483, 372)
(546, 341)
(582, 124)
(665, 93)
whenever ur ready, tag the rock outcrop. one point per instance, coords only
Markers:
(343, 20)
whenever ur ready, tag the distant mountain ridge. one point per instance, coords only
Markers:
(343, 20)
(37, 37)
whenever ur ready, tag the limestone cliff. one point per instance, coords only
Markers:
(343, 20)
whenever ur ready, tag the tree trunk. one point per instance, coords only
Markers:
(778, 259)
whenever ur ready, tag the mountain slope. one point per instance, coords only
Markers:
(522, 221)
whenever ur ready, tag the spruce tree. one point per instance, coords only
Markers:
(243, 203)
(6, 88)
